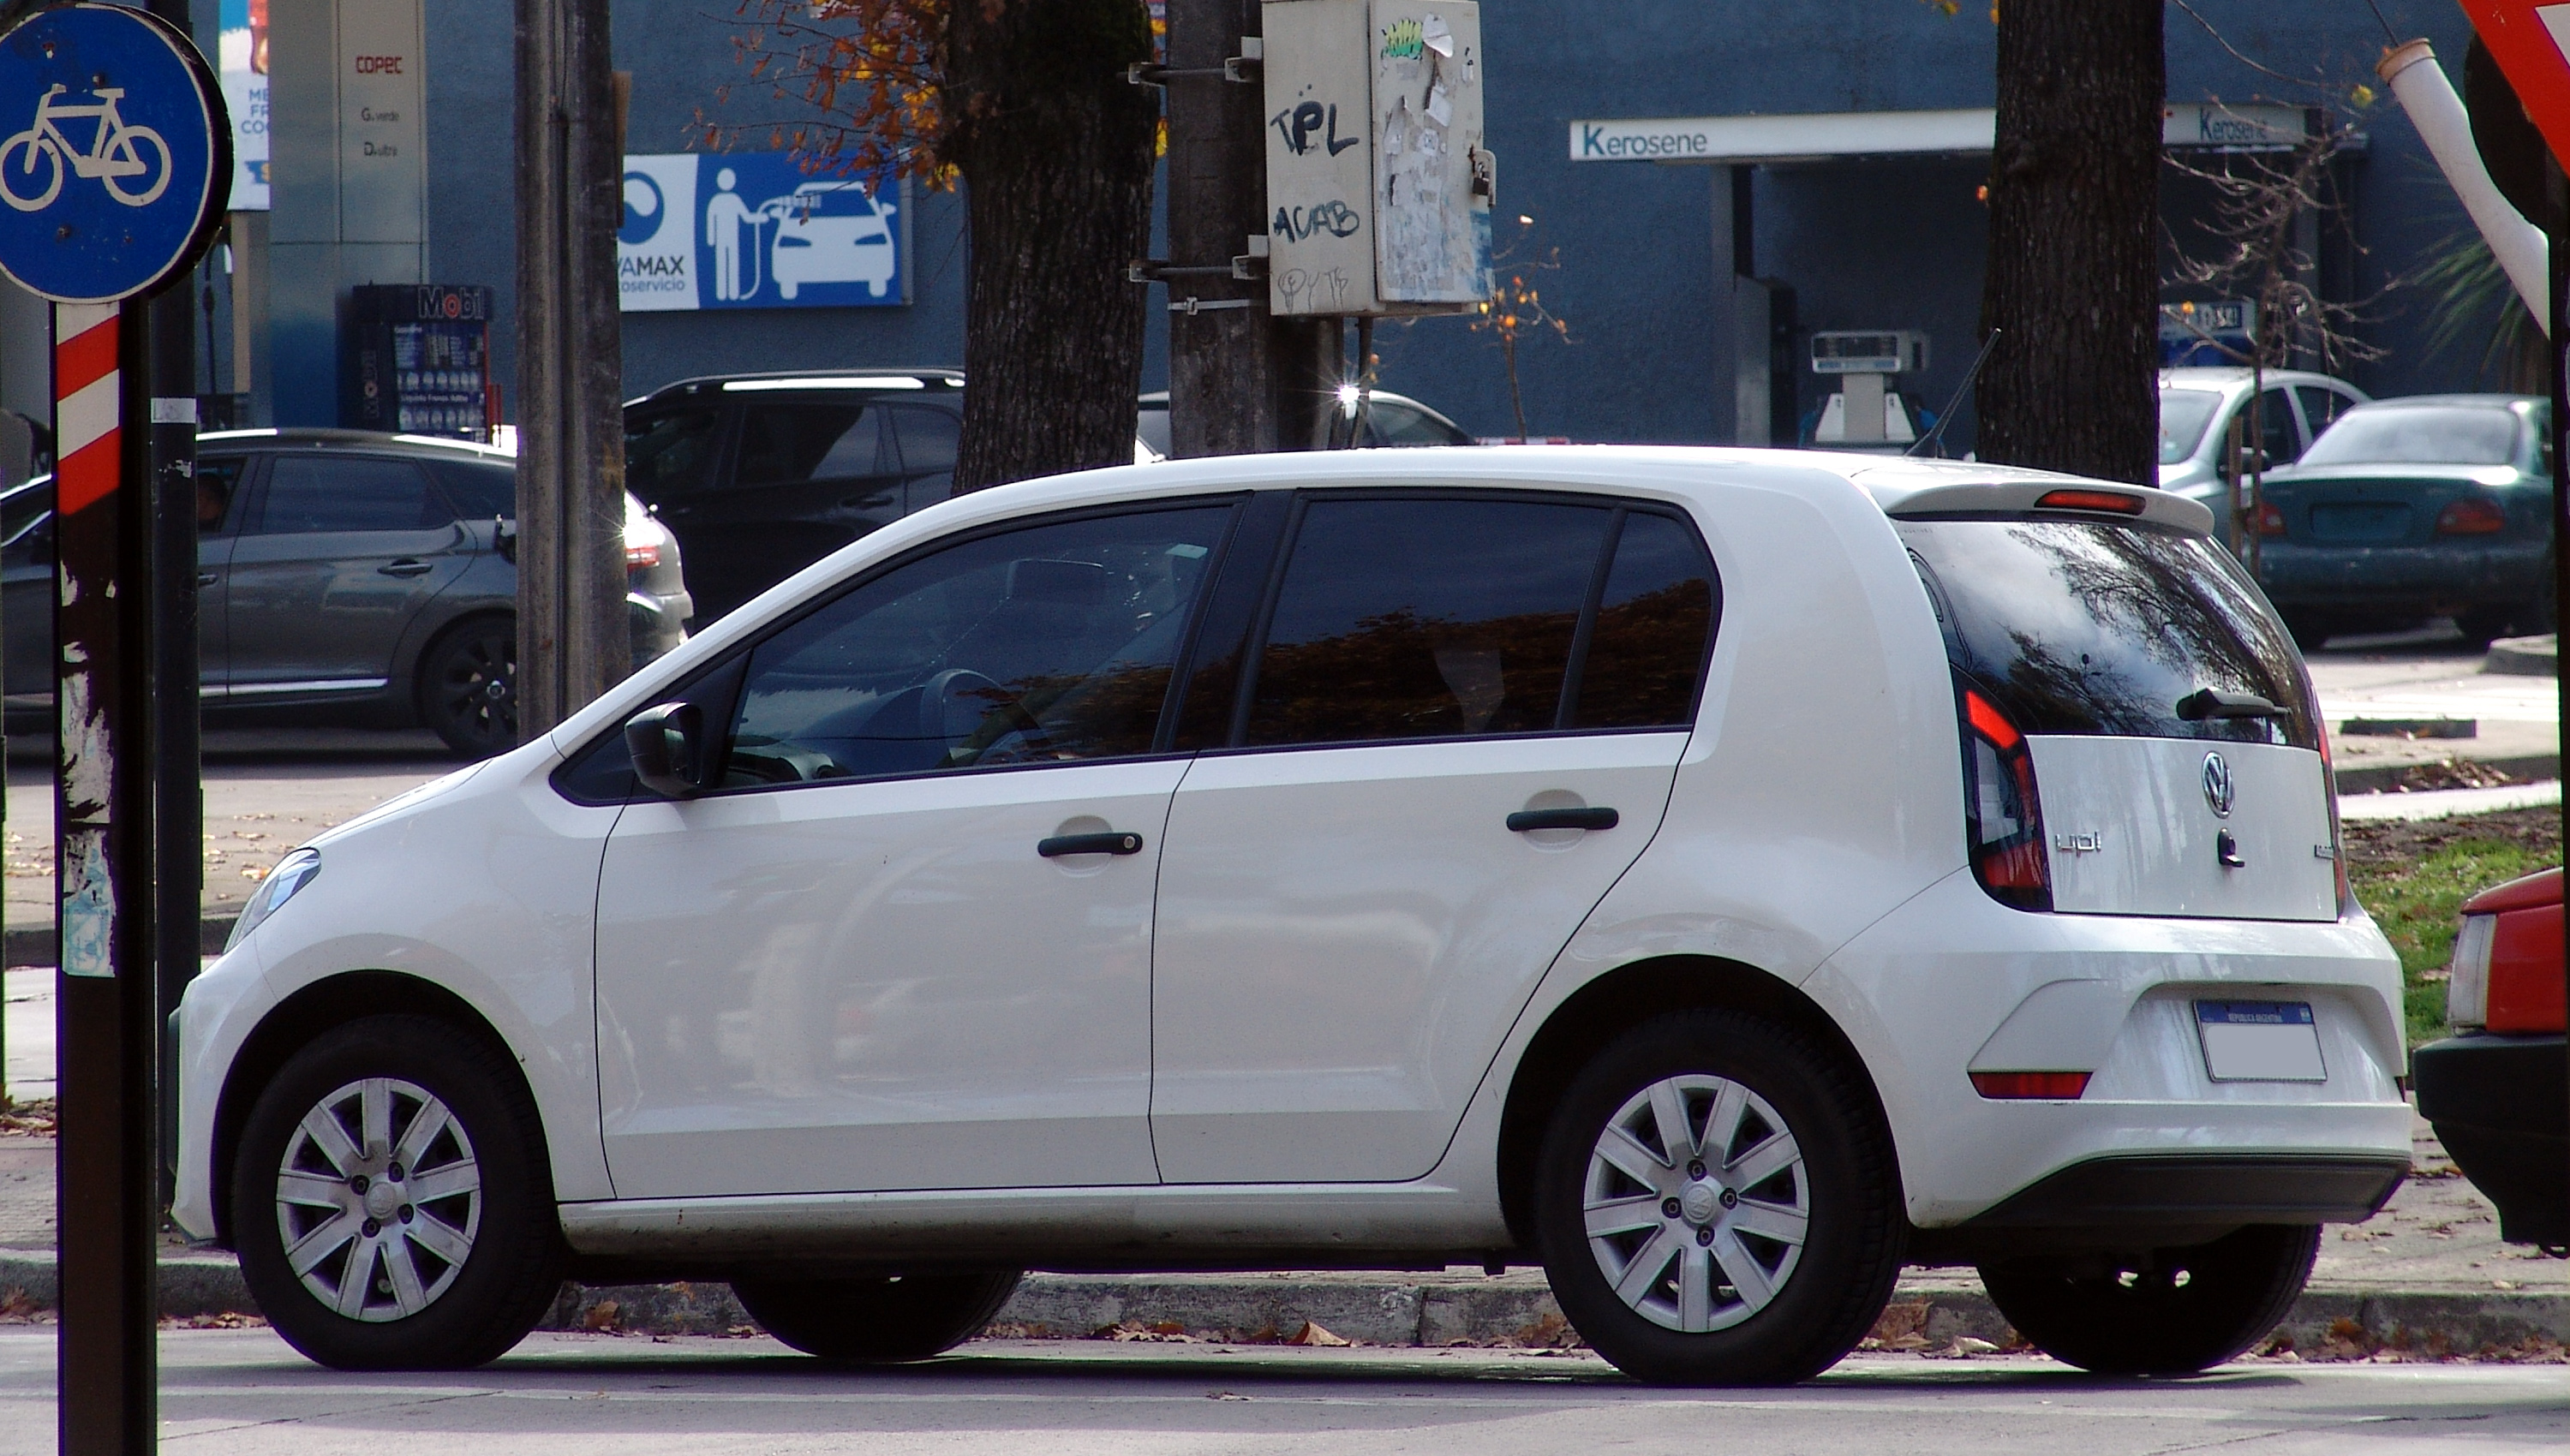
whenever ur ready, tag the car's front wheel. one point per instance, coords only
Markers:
(875, 1321)
(2170, 1311)
(1716, 1203)
(468, 687)
(391, 1200)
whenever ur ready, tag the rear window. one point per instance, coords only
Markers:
(2073, 626)
(2418, 435)
(2182, 414)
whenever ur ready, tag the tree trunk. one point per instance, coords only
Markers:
(2072, 282)
(1057, 154)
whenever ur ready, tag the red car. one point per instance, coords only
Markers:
(2498, 1091)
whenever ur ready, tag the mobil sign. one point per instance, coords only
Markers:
(754, 229)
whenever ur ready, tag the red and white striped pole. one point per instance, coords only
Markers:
(88, 465)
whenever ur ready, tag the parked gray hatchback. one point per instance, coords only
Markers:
(360, 572)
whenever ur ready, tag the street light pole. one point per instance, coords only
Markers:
(573, 642)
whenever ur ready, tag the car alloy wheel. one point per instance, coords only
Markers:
(468, 687)
(1696, 1207)
(379, 1199)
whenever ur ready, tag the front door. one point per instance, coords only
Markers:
(1359, 896)
(344, 554)
(907, 942)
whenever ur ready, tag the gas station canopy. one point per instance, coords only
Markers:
(1826, 135)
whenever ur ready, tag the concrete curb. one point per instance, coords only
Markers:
(1511, 1310)
(2525, 657)
(2377, 778)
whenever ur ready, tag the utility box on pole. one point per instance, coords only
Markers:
(1379, 182)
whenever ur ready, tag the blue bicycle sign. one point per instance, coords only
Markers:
(116, 158)
(114, 155)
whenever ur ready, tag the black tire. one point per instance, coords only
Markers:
(2311, 630)
(476, 1305)
(878, 1320)
(1826, 1293)
(2482, 625)
(467, 686)
(2172, 1312)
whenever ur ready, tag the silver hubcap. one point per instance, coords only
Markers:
(1696, 1204)
(378, 1198)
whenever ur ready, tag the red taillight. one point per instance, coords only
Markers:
(2270, 522)
(2057, 1086)
(639, 556)
(2472, 516)
(2115, 500)
(2002, 812)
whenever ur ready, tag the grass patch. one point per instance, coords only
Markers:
(2413, 880)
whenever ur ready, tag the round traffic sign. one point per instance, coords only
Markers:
(115, 153)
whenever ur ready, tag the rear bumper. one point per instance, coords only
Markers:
(2389, 578)
(2195, 1191)
(2501, 1107)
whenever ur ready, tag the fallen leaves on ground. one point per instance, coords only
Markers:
(34, 1119)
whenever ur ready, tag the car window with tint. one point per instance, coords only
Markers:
(1654, 621)
(1389, 422)
(2321, 407)
(787, 442)
(2079, 627)
(670, 452)
(927, 441)
(315, 492)
(481, 489)
(1050, 643)
(219, 478)
(1424, 618)
(2275, 430)
(2182, 414)
(2419, 434)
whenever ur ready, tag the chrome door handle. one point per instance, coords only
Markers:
(406, 567)
(206, 579)
(1114, 842)
(1526, 820)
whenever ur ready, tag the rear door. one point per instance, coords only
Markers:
(928, 436)
(2086, 638)
(1352, 906)
(809, 473)
(344, 552)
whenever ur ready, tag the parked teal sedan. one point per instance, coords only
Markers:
(2410, 509)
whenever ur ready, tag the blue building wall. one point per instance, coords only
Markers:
(1641, 246)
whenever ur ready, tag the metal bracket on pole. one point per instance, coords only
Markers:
(1192, 306)
(1244, 69)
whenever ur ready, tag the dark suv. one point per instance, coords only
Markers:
(346, 569)
(761, 475)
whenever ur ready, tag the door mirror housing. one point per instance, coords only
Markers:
(504, 538)
(667, 744)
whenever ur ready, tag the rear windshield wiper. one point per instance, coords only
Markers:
(2213, 702)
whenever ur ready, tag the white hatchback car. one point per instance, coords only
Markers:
(1724, 876)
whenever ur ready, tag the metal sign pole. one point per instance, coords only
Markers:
(108, 1183)
(122, 165)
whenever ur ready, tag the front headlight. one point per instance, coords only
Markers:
(291, 875)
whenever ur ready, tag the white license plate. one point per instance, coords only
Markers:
(2259, 1042)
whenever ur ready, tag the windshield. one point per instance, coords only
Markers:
(2418, 435)
(2077, 627)
(2182, 414)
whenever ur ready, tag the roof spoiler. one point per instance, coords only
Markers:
(2060, 498)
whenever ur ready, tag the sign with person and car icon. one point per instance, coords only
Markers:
(756, 230)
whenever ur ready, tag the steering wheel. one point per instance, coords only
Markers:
(990, 700)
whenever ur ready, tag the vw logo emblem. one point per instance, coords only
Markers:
(2217, 785)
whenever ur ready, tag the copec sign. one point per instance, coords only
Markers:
(115, 154)
(754, 229)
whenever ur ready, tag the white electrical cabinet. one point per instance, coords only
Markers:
(1379, 186)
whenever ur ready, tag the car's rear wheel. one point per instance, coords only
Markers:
(2170, 1311)
(877, 1320)
(1716, 1203)
(391, 1202)
(2482, 625)
(468, 687)
(2311, 629)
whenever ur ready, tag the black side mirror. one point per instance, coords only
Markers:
(668, 744)
(504, 538)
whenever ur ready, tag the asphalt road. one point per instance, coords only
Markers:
(242, 1390)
